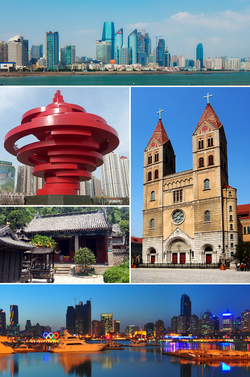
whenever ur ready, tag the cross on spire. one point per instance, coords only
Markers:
(159, 112)
(207, 97)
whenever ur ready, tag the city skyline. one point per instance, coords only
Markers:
(14, 103)
(48, 305)
(183, 108)
(221, 28)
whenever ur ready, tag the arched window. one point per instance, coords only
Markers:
(152, 197)
(210, 160)
(230, 208)
(231, 226)
(248, 229)
(156, 156)
(210, 141)
(231, 245)
(231, 217)
(152, 223)
(207, 216)
(200, 143)
(201, 162)
(230, 193)
(156, 174)
(149, 159)
(149, 176)
(206, 184)
(231, 236)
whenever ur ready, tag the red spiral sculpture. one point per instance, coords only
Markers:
(70, 145)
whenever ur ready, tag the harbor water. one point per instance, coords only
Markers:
(181, 78)
(145, 361)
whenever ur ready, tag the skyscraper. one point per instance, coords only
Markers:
(107, 318)
(132, 47)
(70, 319)
(13, 315)
(83, 318)
(108, 35)
(2, 322)
(3, 51)
(18, 50)
(118, 45)
(52, 49)
(36, 52)
(68, 55)
(160, 52)
(199, 54)
(115, 176)
(185, 309)
(103, 51)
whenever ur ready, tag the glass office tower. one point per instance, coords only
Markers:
(118, 45)
(199, 54)
(160, 52)
(108, 35)
(52, 50)
(132, 47)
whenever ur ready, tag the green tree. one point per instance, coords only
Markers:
(43, 241)
(124, 226)
(18, 217)
(84, 257)
(242, 252)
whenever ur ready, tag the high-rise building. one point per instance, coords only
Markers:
(52, 50)
(26, 182)
(194, 324)
(159, 328)
(36, 52)
(68, 55)
(3, 52)
(123, 57)
(132, 47)
(107, 319)
(13, 315)
(98, 328)
(160, 52)
(93, 187)
(115, 176)
(108, 35)
(181, 324)
(245, 321)
(83, 318)
(174, 325)
(199, 54)
(118, 45)
(167, 58)
(117, 327)
(2, 322)
(18, 50)
(185, 308)
(207, 323)
(149, 328)
(227, 322)
(7, 176)
(70, 319)
(103, 51)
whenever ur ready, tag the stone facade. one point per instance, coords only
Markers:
(190, 216)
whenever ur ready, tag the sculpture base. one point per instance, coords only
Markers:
(57, 200)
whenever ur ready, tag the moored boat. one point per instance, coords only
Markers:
(72, 343)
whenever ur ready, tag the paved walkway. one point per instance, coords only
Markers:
(189, 276)
(63, 279)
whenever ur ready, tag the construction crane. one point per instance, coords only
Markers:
(76, 299)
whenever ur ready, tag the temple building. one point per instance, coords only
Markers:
(189, 217)
(72, 231)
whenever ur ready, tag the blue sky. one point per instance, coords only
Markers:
(183, 108)
(222, 26)
(15, 101)
(131, 304)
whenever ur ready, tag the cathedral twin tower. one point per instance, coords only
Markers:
(189, 217)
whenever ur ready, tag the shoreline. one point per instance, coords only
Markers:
(108, 73)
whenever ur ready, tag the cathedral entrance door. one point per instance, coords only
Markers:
(208, 258)
(175, 258)
(182, 258)
(152, 259)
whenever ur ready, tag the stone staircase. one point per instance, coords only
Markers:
(63, 269)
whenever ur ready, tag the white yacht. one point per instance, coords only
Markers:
(71, 343)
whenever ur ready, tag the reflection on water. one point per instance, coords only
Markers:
(128, 363)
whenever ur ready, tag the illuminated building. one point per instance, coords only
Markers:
(227, 322)
(181, 324)
(107, 319)
(149, 328)
(194, 324)
(174, 325)
(83, 318)
(52, 50)
(117, 327)
(245, 321)
(2, 322)
(13, 315)
(98, 328)
(185, 308)
(207, 323)
(159, 328)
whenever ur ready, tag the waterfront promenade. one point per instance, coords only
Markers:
(189, 276)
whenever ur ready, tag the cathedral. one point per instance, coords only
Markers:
(189, 217)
